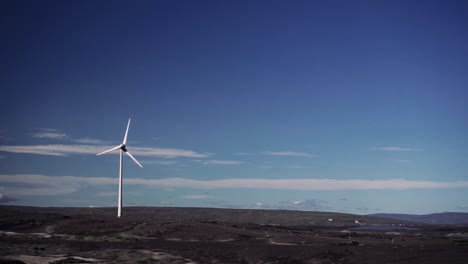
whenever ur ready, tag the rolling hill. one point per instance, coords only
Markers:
(450, 218)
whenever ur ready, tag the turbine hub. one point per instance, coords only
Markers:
(123, 148)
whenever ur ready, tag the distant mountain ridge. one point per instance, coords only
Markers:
(449, 218)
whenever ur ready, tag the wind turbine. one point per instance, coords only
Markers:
(123, 149)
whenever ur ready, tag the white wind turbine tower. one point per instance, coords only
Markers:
(123, 150)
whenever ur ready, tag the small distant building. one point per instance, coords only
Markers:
(330, 220)
(356, 221)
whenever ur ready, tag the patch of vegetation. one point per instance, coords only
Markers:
(11, 261)
(353, 234)
(69, 260)
(351, 243)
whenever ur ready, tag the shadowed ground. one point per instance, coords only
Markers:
(204, 235)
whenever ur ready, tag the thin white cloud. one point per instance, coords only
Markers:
(403, 160)
(38, 191)
(52, 150)
(65, 150)
(394, 148)
(238, 183)
(290, 154)
(107, 194)
(91, 141)
(219, 162)
(159, 162)
(3, 136)
(49, 135)
(46, 129)
(52, 133)
(196, 197)
(363, 209)
(311, 204)
(296, 167)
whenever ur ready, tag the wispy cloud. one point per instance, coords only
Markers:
(39, 190)
(219, 162)
(52, 133)
(290, 154)
(195, 197)
(3, 136)
(114, 194)
(296, 167)
(46, 129)
(159, 162)
(107, 194)
(49, 135)
(394, 148)
(363, 209)
(310, 204)
(65, 150)
(166, 152)
(92, 141)
(74, 182)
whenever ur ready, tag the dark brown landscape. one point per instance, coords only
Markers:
(206, 235)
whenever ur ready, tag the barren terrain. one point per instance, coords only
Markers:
(204, 235)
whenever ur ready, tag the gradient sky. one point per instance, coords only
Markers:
(347, 106)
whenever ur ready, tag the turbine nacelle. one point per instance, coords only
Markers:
(123, 147)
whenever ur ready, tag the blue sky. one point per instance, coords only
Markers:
(347, 106)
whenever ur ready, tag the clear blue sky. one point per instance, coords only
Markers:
(348, 106)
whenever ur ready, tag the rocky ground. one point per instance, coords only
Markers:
(201, 235)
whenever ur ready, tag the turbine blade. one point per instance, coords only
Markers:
(109, 150)
(133, 158)
(126, 133)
